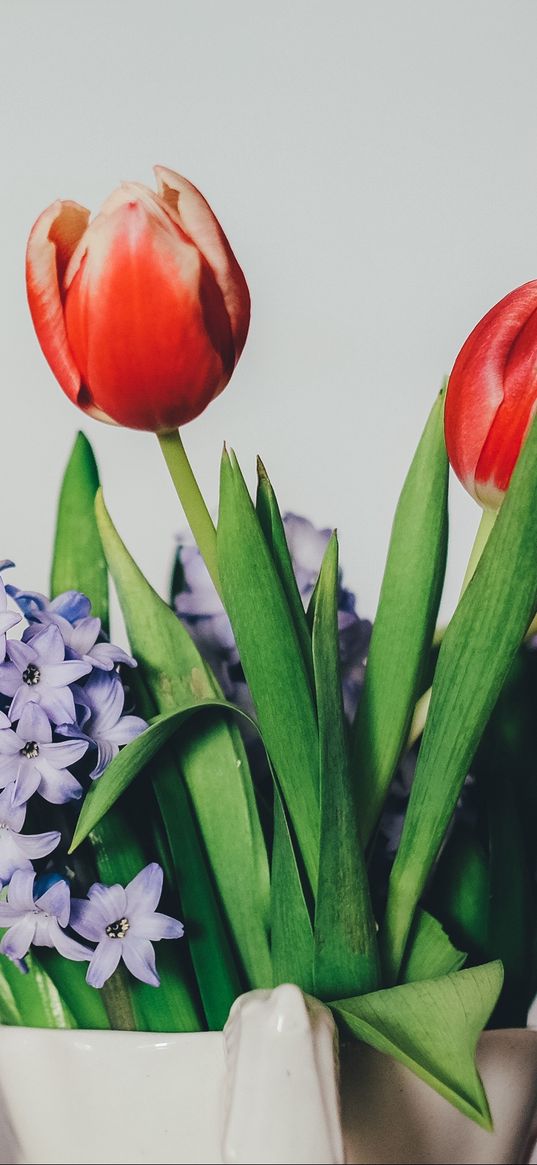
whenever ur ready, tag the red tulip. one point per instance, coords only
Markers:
(143, 312)
(492, 396)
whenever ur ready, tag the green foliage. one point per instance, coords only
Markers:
(404, 624)
(476, 655)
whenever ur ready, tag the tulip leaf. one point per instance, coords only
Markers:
(429, 953)
(134, 757)
(272, 658)
(274, 530)
(432, 1027)
(292, 935)
(84, 1003)
(404, 624)
(211, 758)
(475, 657)
(461, 891)
(77, 537)
(117, 852)
(345, 945)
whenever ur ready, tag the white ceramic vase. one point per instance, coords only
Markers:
(264, 1091)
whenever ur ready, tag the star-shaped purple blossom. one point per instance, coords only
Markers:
(124, 924)
(101, 722)
(39, 672)
(70, 605)
(17, 849)
(8, 619)
(70, 612)
(40, 920)
(30, 762)
(81, 641)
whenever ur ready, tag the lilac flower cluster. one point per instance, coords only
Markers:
(62, 697)
(202, 613)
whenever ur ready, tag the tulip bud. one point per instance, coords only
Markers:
(492, 396)
(143, 312)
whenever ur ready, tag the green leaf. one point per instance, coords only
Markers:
(432, 1027)
(461, 891)
(272, 658)
(429, 953)
(213, 762)
(404, 624)
(474, 660)
(83, 1002)
(77, 538)
(274, 530)
(345, 951)
(118, 854)
(292, 935)
(134, 757)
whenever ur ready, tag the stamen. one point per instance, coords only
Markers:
(118, 929)
(31, 675)
(30, 750)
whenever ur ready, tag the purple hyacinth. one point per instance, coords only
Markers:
(39, 672)
(124, 924)
(101, 723)
(71, 605)
(33, 763)
(39, 919)
(201, 611)
(18, 850)
(80, 631)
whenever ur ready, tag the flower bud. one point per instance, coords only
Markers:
(142, 312)
(492, 396)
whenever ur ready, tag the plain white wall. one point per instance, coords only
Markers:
(375, 168)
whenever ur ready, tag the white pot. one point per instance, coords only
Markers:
(265, 1091)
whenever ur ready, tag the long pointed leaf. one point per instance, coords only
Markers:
(271, 657)
(292, 934)
(345, 955)
(118, 853)
(474, 660)
(77, 537)
(404, 624)
(274, 530)
(212, 760)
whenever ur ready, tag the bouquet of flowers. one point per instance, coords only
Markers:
(282, 792)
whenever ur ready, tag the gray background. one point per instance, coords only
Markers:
(374, 165)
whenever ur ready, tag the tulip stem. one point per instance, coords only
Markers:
(484, 531)
(190, 496)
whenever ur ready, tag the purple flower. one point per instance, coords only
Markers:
(41, 921)
(80, 641)
(199, 608)
(39, 672)
(101, 722)
(8, 619)
(16, 850)
(71, 605)
(124, 924)
(30, 759)
(70, 612)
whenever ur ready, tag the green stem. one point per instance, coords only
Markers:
(189, 494)
(484, 531)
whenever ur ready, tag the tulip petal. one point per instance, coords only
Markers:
(194, 215)
(477, 388)
(135, 321)
(52, 241)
